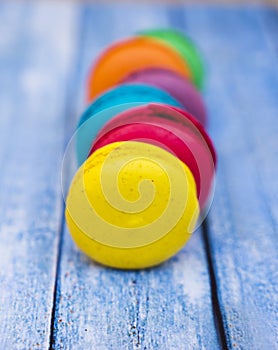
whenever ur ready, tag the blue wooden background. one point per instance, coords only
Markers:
(221, 290)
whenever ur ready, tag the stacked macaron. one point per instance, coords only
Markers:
(146, 163)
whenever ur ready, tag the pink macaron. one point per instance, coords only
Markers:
(174, 130)
(156, 135)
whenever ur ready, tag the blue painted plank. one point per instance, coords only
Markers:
(36, 51)
(168, 307)
(242, 95)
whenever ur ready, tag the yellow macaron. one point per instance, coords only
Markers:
(132, 205)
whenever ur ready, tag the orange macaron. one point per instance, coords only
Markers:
(129, 55)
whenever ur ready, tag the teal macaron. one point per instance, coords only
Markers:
(111, 103)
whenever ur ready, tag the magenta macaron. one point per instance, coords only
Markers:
(171, 129)
(177, 86)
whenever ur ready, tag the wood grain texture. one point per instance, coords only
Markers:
(242, 94)
(168, 307)
(35, 57)
(43, 66)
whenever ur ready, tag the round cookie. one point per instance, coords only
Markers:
(177, 86)
(129, 55)
(156, 135)
(108, 105)
(132, 205)
(183, 126)
(185, 47)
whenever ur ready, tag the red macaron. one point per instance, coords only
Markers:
(172, 129)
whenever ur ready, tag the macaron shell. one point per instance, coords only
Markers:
(156, 135)
(201, 129)
(185, 47)
(128, 238)
(176, 85)
(129, 55)
(108, 105)
(177, 123)
(127, 93)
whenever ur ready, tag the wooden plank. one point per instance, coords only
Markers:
(36, 51)
(168, 307)
(242, 94)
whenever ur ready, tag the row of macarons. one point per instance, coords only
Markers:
(142, 90)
